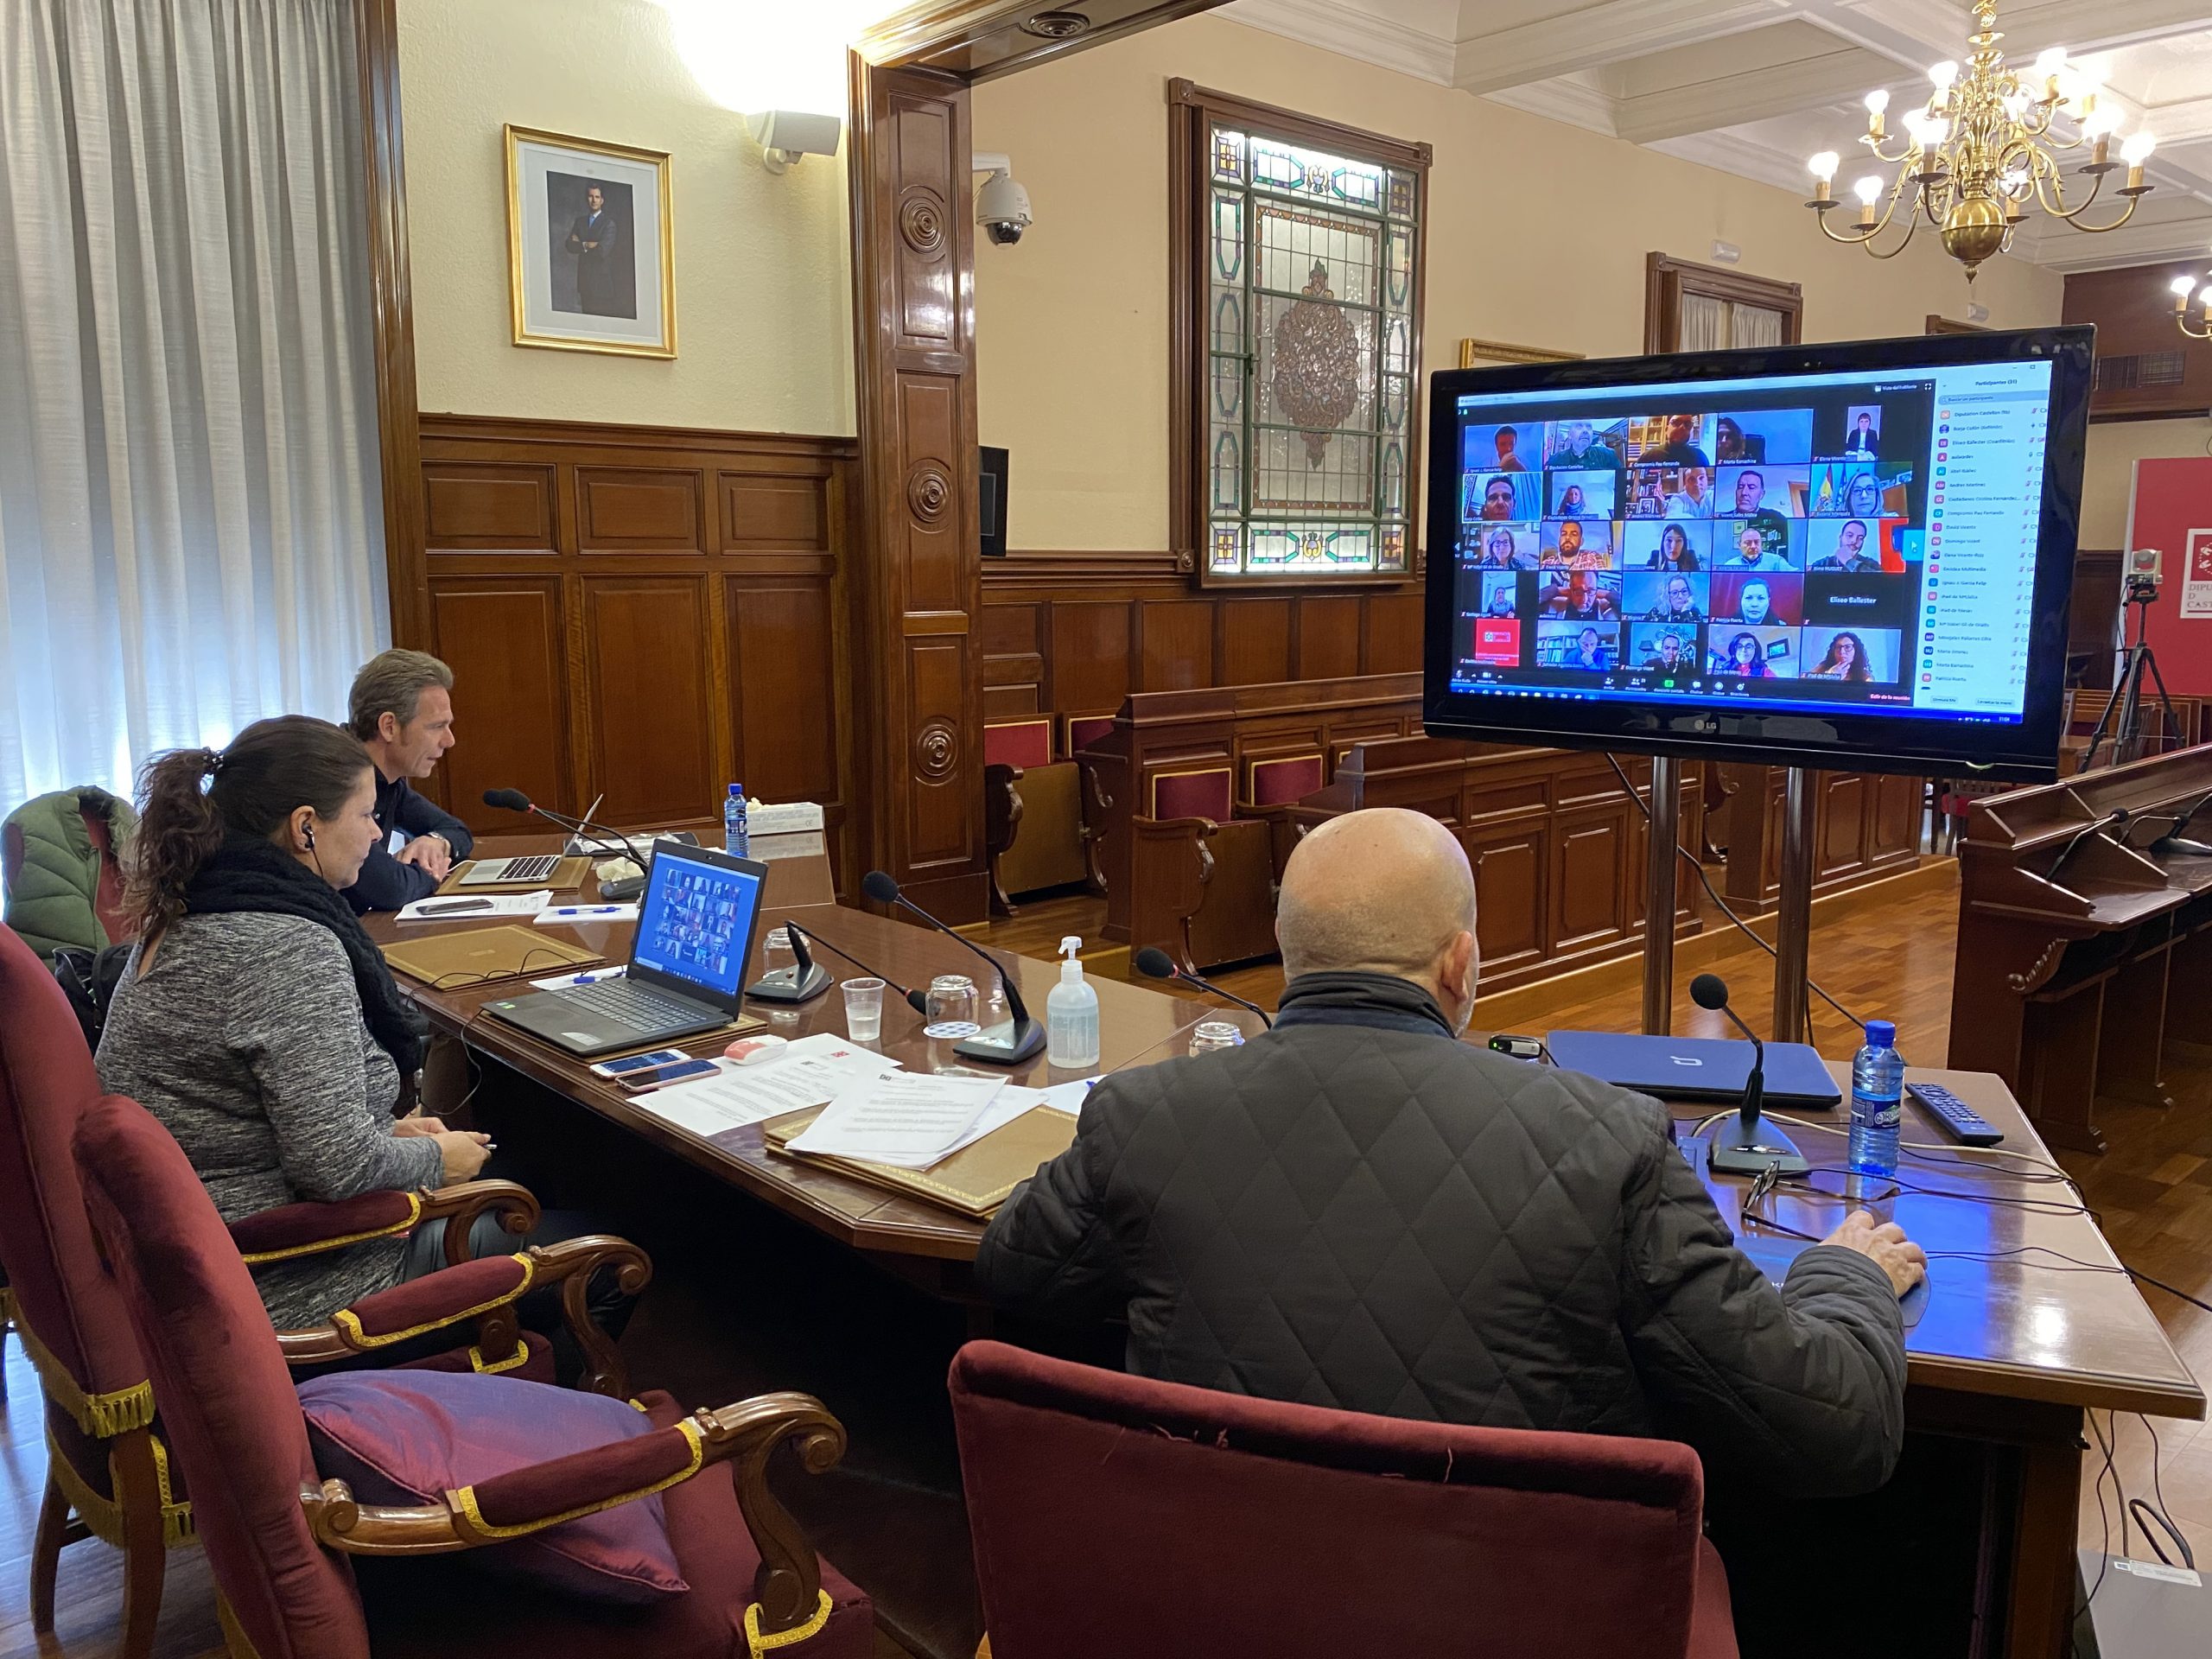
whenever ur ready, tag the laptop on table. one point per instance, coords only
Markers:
(696, 926)
(1697, 1068)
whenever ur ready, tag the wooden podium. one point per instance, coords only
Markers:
(2083, 955)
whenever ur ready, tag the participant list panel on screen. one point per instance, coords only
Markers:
(1855, 542)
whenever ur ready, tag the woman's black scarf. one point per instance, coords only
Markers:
(249, 875)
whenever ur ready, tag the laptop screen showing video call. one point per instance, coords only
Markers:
(1854, 542)
(696, 921)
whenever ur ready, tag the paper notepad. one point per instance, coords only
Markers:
(898, 1118)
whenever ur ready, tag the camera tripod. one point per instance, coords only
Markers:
(2122, 719)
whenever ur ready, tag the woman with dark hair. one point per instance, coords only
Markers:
(1728, 441)
(1746, 658)
(258, 1021)
(1845, 660)
(1673, 552)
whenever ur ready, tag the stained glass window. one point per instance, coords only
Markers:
(1311, 269)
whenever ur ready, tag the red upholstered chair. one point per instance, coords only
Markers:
(1018, 743)
(108, 1471)
(278, 1538)
(1114, 1515)
(1280, 780)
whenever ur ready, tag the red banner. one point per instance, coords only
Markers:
(2170, 509)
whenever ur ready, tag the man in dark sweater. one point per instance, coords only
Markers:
(1359, 1210)
(402, 709)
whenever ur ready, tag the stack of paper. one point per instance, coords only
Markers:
(903, 1120)
(808, 1072)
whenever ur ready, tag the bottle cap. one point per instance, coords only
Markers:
(737, 788)
(1881, 1034)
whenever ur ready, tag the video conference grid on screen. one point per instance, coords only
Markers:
(1848, 541)
(695, 924)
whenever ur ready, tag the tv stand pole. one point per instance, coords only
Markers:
(1660, 856)
(1793, 922)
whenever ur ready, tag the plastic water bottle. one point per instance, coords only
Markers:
(1876, 1102)
(736, 838)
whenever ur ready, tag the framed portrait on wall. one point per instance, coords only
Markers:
(590, 245)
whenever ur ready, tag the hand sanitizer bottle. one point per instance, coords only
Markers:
(1072, 1015)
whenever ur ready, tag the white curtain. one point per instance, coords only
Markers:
(1704, 324)
(1754, 325)
(191, 532)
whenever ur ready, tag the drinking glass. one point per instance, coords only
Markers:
(863, 1009)
(776, 955)
(951, 1007)
(1215, 1033)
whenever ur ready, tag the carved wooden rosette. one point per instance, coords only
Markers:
(914, 582)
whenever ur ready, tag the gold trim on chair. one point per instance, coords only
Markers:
(492, 1368)
(102, 1518)
(757, 1644)
(103, 1416)
(348, 1321)
(464, 1499)
(259, 1258)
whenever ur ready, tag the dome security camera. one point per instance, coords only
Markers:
(1003, 208)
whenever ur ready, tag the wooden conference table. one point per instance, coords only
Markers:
(2016, 1335)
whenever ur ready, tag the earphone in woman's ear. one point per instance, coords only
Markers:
(308, 830)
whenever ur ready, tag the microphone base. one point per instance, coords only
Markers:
(2167, 846)
(1004, 1045)
(623, 890)
(1737, 1151)
(788, 985)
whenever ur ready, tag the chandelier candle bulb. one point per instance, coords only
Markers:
(2049, 63)
(1876, 102)
(1823, 166)
(1945, 75)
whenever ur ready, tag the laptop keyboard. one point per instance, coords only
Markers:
(634, 1005)
(535, 867)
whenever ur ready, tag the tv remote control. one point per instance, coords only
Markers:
(1963, 1123)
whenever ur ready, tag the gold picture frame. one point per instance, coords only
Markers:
(1489, 353)
(571, 294)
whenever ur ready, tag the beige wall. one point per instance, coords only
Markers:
(2108, 470)
(763, 288)
(1538, 235)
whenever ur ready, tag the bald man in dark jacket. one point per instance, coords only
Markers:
(1358, 1211)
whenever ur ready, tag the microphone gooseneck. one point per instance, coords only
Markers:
(915, 999)
(1007, 1045)
(1155, 963)
(513, 800)
(1747, 1147)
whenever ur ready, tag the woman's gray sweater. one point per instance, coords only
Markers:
(245, 1039)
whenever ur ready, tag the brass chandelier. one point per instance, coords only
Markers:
(1985, 147)
(2195, 322)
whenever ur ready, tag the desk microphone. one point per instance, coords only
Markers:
(617, 891)
(779, 990)
(1750, 1146)
(2115, 819)
(1004, 1045)
(1155, 963)
(2176, 839)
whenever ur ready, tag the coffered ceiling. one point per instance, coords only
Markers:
(1755, 86)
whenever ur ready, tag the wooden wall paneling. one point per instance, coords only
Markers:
(1511, 853)
(786, 702)
(1251, 642)
(391, 320)
(1843, 827)
(775, 512)
(641, 510)
(1175, 645)
(649, 674)
(489, 507)
(915, 582)
(1328, 638)
(1590, 903)
(508, 639)
(1088, 655)
(1895, 809)
(1391, 633)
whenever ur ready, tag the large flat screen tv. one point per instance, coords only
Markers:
(1855, 555)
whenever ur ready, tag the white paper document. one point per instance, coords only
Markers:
(459, 907)
(1069, 1097)
(811, 1071)
(899, 1118)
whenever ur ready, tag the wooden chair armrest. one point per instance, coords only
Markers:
(788, 1583)
(459, 1206)
(312, 1229)
(478, 1292)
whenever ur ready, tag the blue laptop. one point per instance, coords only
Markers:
(1697, 1068)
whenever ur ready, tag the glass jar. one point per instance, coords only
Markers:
(776, 955)
(951, 1007)
(1215, 1033)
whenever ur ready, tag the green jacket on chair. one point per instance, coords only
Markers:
(53, 861)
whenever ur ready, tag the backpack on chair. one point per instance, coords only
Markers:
(88, 979)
